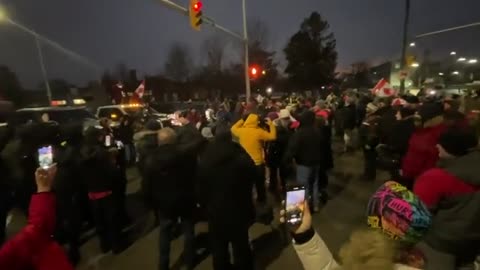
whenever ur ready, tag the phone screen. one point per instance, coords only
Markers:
(294, 205)
(45, 157)
(108, 141)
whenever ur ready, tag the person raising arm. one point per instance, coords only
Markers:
(34, 247)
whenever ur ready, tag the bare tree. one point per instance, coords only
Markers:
(258, 33)
(214, 46)
(179, 62)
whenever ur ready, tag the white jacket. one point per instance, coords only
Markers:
(315, 255)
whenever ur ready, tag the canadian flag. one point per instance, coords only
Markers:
(383, 89)
(140, 91)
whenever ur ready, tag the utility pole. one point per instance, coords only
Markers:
(403, 59)
(245, 41)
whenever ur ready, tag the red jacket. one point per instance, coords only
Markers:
(34, 248)
(452, 193)
(422, 153)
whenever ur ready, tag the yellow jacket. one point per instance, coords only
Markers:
(251, 136)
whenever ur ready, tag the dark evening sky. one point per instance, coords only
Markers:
(139, 32)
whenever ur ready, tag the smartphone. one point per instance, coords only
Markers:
(295, 205)
(108, 141)
(45, 156)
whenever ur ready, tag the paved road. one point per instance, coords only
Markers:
(336, 220)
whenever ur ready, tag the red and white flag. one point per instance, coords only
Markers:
(383, 89)
(140, 91)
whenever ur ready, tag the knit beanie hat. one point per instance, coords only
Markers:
(398, 212)
(458, 141)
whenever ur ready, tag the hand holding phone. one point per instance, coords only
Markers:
(45, 157)
(296, 227)
(44, 178)
(295, 205)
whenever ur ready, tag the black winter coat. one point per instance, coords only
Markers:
(169, 183)
(226, 176)
(276, 149)
(124, 133)
(398, 140)
(99, 168)
(386, 122)
(309, 147)
(69, 185)
(349, 117)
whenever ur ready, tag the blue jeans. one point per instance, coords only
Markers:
(308, 176)
(166, 225)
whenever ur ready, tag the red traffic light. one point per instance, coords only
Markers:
(253, 71)
(197, 6)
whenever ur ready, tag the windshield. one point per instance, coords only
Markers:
(65, 116)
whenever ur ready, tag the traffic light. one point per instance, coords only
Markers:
(253, 71)
(195, 12)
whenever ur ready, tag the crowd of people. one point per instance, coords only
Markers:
(225, 162)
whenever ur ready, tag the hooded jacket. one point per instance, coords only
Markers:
(33, 247)
(453, 194)
(226, 176)
(252, 137)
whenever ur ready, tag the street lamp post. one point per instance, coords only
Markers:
(245, 41)
(43, 69)
(404, 44)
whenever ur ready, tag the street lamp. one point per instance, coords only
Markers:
(472, 61)
(440, 73)
(462, 59)
(269, 90)
(453, 53)
(415, 65)
(412, 44)
(456, 73)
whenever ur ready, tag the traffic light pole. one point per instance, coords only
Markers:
(211, 22)
(448, 30)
